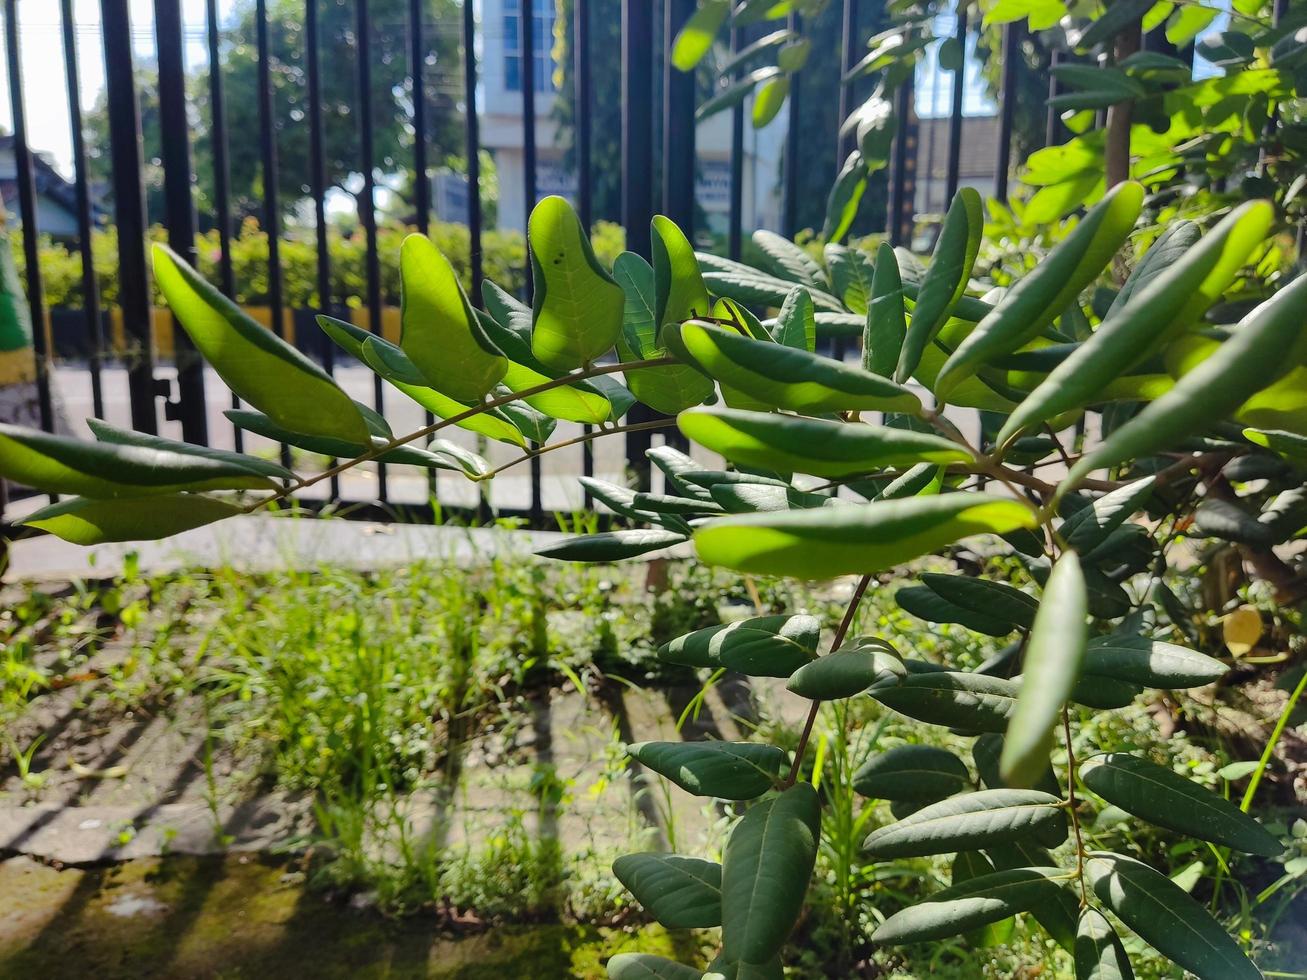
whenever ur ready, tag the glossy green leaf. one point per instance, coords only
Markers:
(647, 966)
(1052, 663)
(745, 284)
(886, 328)
(412, 455)
(661, 503)
(859, 538)
(257, 365)
(832, 449)
(680, 892)
(678, 285)
(1099, 954)
(1166, 918)
(748, 498)
(765, 870)
(769, 99)
(927, 604)
(974, 820)
(612, 545)
(970, 702)
(765, 646)
(966, 866)
(790, 261)
(1267, 343)
(1151, 663)
(58, 464)
(971, 904)
(796, 323)
(1090, 526)
(946, 278)
(726, 770)
(1164, 797)
(984, 597)
(85, 521)
(578, 308)
(1059, 913)
(789, 378)
(441, 333)
(912, 772)
(105, 432)
(694, 39)
(851, 275)
(1041, 296)
(1170, 301)
(844, 198)
(390, 363)
(665, 389)
(847, 671)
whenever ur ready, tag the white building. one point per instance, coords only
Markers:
(501, 131)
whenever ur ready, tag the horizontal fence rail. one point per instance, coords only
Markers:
(133, 357)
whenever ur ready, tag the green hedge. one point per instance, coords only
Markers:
(503, 256)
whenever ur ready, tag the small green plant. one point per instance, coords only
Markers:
(1178, 393)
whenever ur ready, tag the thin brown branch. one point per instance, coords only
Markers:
(588, 437)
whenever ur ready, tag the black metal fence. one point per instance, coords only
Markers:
(645, 188)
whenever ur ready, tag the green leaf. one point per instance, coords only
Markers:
(1090, 526)
(611, 546)
(1095, 691)
(680, 892)
(58, 464)
(789, 378)
(1166, 918)
(769, 99)
(1266, 344)
(1058, 915)
(972, 864)
(832, 449)
(1167, 799)
(796, 323)
(946, 278)
(851, 275)
(970, 702)
(678, 284)
(578, 308)
(86, 522)
(982, 596)
(765, 871)
(925, 603)
(847, 671)
(724, 969)
(748, 498)
(1290, 445)
(745, 284)
(664, 389)
(1052, 664)
(735, 93)
(441, 333)
(1116, 18)
(765, 646)
(1041, 296)
(789, 261)
(659, 503)
(912, 772)
(257, 365)
(974, 903)
(646, 966)
(858, 538)
(960, 823)
(725, 770)
(390, 363)
(1171, 300)
(261, 425)
(104, 432)
(844, 198)
(695, 38)
(1099, 954)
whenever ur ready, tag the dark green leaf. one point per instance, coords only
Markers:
(975, 820)
(882, 343)
(847, 671)
(1090, 526)
(1151, 663)
(1098, 952)
(86, 522)
(925, 603)
(973, 903)
(680, 892)
(611, 546)
(726, 770)
(104, 432)
(970, 702)
(646, 966)
(985, 597)
(912, 772)
(766, 646)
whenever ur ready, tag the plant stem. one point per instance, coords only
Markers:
(1071, 805)
(615, 430)
(845, 623)
(385, 447)
(1271, 743)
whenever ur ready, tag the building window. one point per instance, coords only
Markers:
(542, 23)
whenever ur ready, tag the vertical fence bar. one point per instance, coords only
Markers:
(268, 163)
(1012, 36)
(1053, 128)
(584, 195)
(90, 287)
(221, 174)
(27, 213)
(735, 214)
(527, 76)
(473, 139)
(790, 212)
(367, 202)
(179, 210)
(416, 61)
(954, 166)
(844, 143)
(898, 213)
(318, 185)
(129, 210)
(637, 170)
(678, 125)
